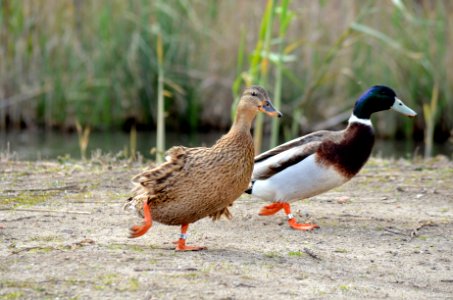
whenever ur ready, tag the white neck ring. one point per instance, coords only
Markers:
(354, 119)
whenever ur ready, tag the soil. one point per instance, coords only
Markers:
(387, 234)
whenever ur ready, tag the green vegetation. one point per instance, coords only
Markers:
(260, 60)
(272, 254)
(340, 250)
(26, 198)
(344, 288)
(46, 238)
(11, 296)
(131, 247)
(295, 253)
(134, 284)
(111, 64)
(93, 62)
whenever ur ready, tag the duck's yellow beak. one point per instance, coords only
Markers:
(267, 108)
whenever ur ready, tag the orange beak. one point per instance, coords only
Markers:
(267, 108)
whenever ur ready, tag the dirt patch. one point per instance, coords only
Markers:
(386, 234)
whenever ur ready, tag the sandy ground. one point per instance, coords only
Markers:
(387, 234)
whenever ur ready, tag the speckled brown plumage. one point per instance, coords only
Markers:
(198, 182)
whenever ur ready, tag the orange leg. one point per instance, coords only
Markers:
(271, 209)
(181, 245)
(136, 230)
(292, 221)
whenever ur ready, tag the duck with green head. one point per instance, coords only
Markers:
(315, 163)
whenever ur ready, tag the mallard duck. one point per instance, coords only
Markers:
(195, 183)
(315, 163)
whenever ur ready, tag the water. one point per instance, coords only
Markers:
(40, 145)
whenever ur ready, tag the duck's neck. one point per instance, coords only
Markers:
(356, 146)
(243, 122)
(239, 137)
(364, 121)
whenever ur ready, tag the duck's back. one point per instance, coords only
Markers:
(205, 181)
(313, 164)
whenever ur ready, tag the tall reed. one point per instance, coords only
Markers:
(160, 142)
(133, 143)
(100, 71)
(415, 52)
(259, 61)
(83, 133)
(429, 113)
(103, 72)
(284, 19)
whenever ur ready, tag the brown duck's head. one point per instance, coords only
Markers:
(255, 98)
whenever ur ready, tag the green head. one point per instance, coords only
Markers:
(378, 98)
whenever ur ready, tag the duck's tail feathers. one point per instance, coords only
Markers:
(135, 203)
(249, 190)
(223, 212)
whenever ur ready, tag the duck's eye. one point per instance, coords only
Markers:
(254, 94)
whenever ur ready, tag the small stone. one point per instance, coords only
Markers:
(343, 199)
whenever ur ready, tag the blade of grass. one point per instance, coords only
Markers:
(265, 37)
(284, 18)
(429, 113)
(84, 138)
(160, 143)
(133, 143)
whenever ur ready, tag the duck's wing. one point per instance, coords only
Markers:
(281, 157)
(156, 179)
(317, 136)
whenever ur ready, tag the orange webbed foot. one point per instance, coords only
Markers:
(301, 226)
(183, 247)
(292, 221)
(271, 209)
(139, 230)
(181, 243)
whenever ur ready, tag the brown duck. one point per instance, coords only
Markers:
(195, 183)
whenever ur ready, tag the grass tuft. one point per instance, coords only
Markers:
(66, 61)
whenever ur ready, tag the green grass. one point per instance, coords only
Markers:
(131, 247)
(109, 279)
(46, 238)
(66, 61)
(27, 198)
(12, 295)
(341, 250)
(422, 237)
(15, 284)
(272, 254)
(295, 253)
(344, 288)
(134, 284)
